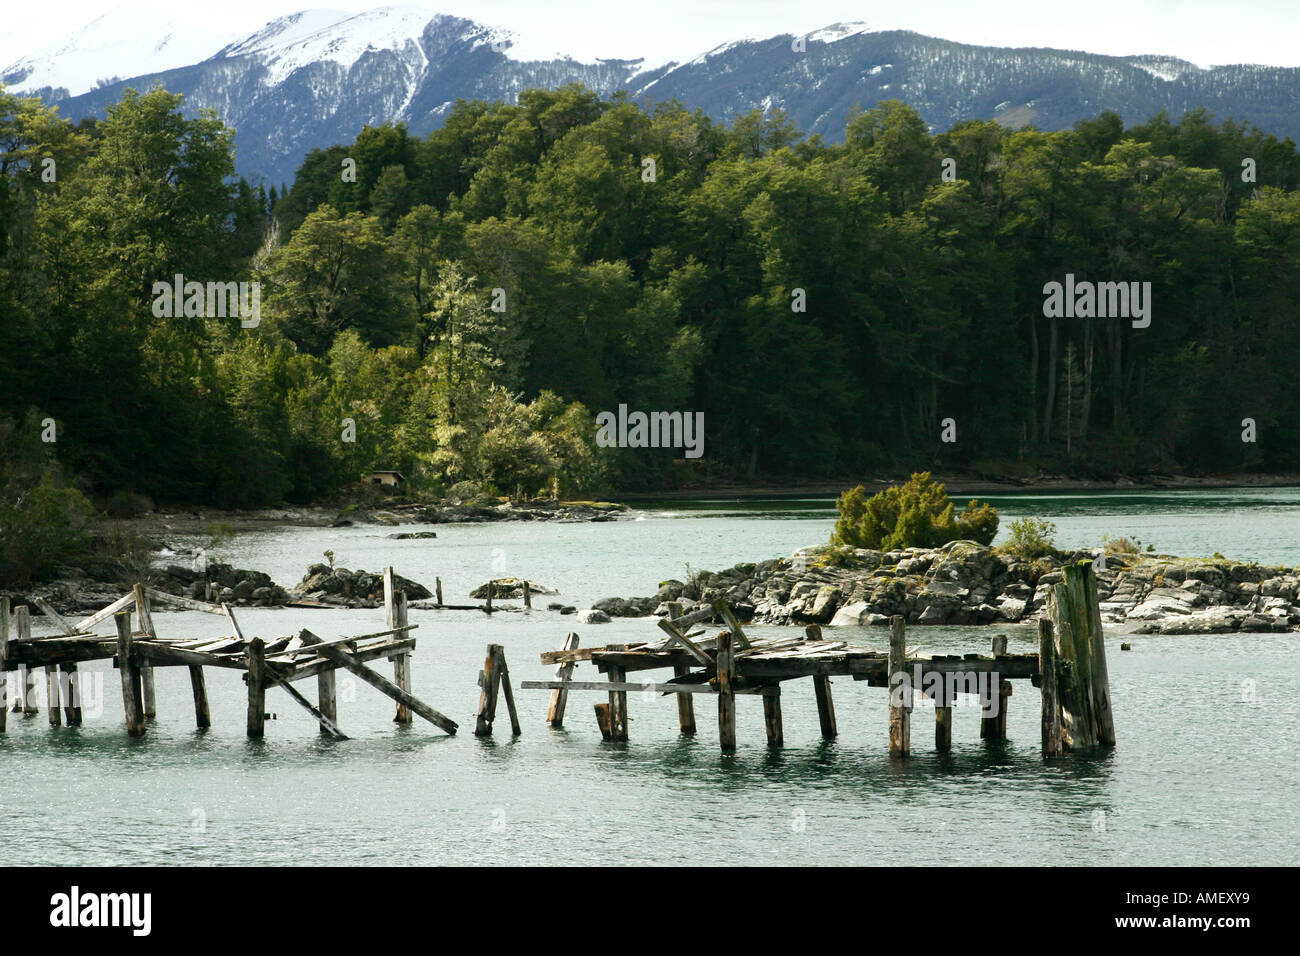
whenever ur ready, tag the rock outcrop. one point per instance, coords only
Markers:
(967, 583)
(345, 588)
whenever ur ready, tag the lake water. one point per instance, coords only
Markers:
(1204, 771)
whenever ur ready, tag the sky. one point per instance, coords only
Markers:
(1203, 31)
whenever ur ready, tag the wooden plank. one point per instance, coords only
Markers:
(315, 666)
(178, 656)
(230, 616)
(180, 601)
(723, 609)
(85, 624)
(632, 687)
(353, 665)
(62, 624)
(678, 634)
(772, 719)
(1051, 719)
(489, 682)
(326, 723)
(504, 671)
(900, 691)
(312, 650)
(560, 696)
(132, 695)
(256, 678)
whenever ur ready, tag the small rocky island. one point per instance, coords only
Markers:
(967, 583)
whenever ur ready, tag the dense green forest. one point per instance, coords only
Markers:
(470, 301)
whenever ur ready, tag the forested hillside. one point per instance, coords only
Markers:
(671, 285)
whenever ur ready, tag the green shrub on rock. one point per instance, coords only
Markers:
(916, 514)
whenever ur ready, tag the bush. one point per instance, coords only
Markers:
(917, 514)
(1031, 538)
(41, 527)
(1121, 544)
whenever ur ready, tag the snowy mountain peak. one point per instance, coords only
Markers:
(112, 47)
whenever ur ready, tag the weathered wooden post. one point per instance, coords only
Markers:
(528, 596)
(602, 721)
(488, 680)
(395, 606)
(4, 655)
(132, 695)
(726, 658)
(994, 726)
(504, 670)
(560, 696)
(437, 591)
(23, 627)
(327, 698)
(900, 691)
(52, 689)
(256, 687)
(617, 699)
(772, 717)
(685, 703)
(822, 689)
(146, 669)
(1047, 681)
(942, 717)
(199, 685)
(1083, 684)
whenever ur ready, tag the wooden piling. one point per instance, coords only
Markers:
(23, 626)
(617, 701)
(1052, 742)
(528, 597)
(397, 617)
(256, 687)
(900, 691)
(994, 726)
(326, 698)
(437, 591)
(146, 669)
(509, 693)
(822, 689)
(942, 717)
(1083, 684)
(132, 695)
(772, 718)
(560, 696)
(602, 720)
(52, 689)
(685, 702)
(70, 679)
(199, 685)
(726, 680)
(489, 682)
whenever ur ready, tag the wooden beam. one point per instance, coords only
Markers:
(62, 624)
(52, 689)
(724, 611)
(822, 690)
(85, 624)
(504, 671)
(185, 602)
(726, 692)
(1051, 719)
(631, 687)
(900, 691)
(316, 666)
(130, 674)
(256, 678)
(327, 696)
(347, 661)
(560, 696)
(678, 634)
(23, 627)
(326, 722)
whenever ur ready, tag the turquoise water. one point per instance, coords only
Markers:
(1204, 772)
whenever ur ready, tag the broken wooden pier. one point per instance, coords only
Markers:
(1070, 669)
(137, 650)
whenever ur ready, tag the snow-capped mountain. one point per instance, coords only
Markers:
(315, 78)
(110, 48)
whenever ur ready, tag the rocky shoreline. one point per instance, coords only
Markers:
(964, 583)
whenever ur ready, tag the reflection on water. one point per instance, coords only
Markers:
(1204, 772)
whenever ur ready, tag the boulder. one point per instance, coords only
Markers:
(592, 615)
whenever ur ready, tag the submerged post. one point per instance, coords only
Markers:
(1047, 681)
(130, 674)
(199, 685)
(900, 691)
(489, 679)
(772, 718)
(685, 702)
(617, 699)
(395, 602)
